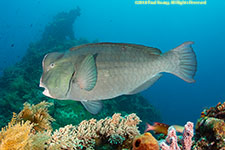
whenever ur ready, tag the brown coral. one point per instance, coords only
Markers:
(145, 142)
(38, 115)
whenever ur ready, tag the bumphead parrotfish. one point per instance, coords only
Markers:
(94, 72)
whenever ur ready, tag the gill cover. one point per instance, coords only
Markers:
(57, 73)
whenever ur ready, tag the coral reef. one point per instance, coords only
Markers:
(210, 129)
(117, 132)
(137, 105)
(145, 142)
(209, 132)
(172, 139)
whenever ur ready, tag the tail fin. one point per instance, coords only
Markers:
(182, 62)
(149, 127)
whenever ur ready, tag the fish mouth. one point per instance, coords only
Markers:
(41, 83)
(46, 91)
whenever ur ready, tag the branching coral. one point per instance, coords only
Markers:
(115, 131)
(38, 115)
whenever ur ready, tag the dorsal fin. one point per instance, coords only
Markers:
(152, 50)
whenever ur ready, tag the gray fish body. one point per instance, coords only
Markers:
(119, 68)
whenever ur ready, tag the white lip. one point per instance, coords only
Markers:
(41, 84)
(46, 91)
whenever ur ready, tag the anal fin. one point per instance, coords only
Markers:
(93, 107)
(146, 85)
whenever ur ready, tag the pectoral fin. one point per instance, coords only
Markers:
(93, 107)
(86, 76)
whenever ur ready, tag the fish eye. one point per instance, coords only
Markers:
(52, 65)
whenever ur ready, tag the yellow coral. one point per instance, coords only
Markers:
(21, 136)
(38, 115)
(15, 136)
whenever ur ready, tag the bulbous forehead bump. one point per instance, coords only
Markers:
(51, 58)
(43, 61)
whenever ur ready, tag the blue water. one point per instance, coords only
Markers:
(164, 27)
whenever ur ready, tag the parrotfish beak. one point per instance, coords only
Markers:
(46, 91)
